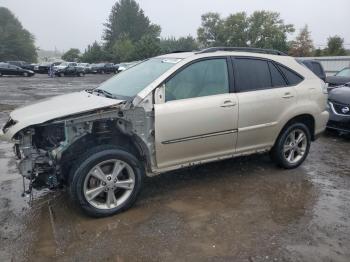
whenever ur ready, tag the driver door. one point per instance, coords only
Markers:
(198, 119)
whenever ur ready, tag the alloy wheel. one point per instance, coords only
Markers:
(109, 184)
(295, 146)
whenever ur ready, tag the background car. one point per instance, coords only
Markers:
(340, 78)
(22, 64)
(314, 66)
(86, 67)
(103, 68)
(43, 68)
(7, 69)
(339, 109)
(69, 69)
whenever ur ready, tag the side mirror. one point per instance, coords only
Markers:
(159, 95)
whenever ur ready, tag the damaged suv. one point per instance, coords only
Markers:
(166, 113)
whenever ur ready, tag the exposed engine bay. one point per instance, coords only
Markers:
(46, 152)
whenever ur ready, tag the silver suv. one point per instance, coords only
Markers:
(167, 113)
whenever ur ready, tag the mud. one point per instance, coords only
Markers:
(245, 209)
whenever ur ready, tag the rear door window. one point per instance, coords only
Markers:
(251, 74)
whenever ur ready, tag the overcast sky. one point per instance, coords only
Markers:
(63, 24)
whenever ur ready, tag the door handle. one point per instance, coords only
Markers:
(287, 95)
(228, 103)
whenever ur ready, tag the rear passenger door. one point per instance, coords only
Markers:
(265, 97)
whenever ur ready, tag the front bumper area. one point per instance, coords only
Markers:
(338, 122)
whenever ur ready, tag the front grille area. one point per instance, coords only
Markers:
(341, 109)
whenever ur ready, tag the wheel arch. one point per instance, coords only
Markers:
(306, 119)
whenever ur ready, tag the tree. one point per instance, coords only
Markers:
(72, 54)
(147, 47)
(211, 31)
(94, 54)
(128, 19)
(236, 28)
(123, 50)
(267, 30)
(335, 46)
(303, 45)
(263, 29)
(172, 44)
(16, 43)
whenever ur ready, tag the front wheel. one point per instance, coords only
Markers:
(292, 146)
(25, 74)
(106, 181)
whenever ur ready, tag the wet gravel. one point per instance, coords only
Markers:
(245, 209)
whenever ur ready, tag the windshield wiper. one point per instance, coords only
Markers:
(103, 92)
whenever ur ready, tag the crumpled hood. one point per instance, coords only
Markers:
(340, 95)
(57, 107)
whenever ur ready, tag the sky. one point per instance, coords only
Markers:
(63, 24)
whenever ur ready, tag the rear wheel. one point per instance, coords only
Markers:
(106, 181)
(292, 146)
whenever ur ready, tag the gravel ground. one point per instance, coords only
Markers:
(245, 209)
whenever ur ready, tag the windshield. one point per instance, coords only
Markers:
(136, 78)
(344, 72)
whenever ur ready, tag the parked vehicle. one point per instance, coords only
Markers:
(22, 64)
(339, 109)
(340, 78)
(86, 67)
(69, 69)
(166, 113)
(44, 68)
(7, 69)
(103, 68)
(315, 66)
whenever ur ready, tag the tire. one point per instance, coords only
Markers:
(102, 72)
(81, 74)
(25, 74)
(290, 153)
(0, 74)
(99, 162)
(61, 74)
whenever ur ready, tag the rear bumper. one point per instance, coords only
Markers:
(321, 123)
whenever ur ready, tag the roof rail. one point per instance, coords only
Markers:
(242, 49)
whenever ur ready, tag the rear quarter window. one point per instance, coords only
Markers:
(292, 77)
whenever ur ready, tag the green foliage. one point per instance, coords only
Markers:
(128, 19)
(335, 46)
(123, 50)
(172, 44)
(267, 30)
(94, 54)
(236, 28)
(129, 34)
(302, 45)
(148, 46)
(263, 29)
(211, 31)
(16, 43)
(72, 54)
